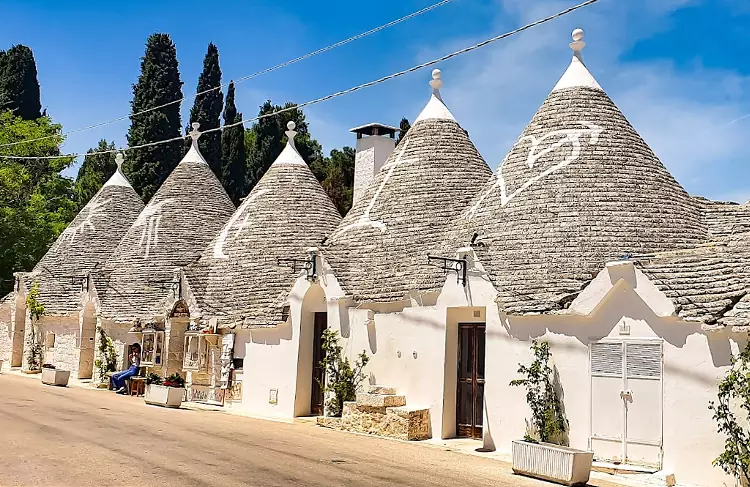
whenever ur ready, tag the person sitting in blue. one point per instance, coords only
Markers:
(118, 379)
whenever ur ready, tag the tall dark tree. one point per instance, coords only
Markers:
(207, 109)
(403, 127)
(158, 83)
(269, 138)
(19, 87)
(233, 151)
(94, 172)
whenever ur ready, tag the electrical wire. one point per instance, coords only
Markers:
(244, 78)
(344, 92)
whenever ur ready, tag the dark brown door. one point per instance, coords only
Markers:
(470, 380)
(318, 372)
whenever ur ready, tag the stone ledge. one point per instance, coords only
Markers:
(390, 391)
(380, 400)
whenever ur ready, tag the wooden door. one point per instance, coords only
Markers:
(470, 397)
(318, 372)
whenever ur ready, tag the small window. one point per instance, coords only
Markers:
(237, 363)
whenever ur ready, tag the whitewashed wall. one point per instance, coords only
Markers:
(64, 353)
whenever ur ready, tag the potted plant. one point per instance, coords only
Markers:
(53, 376)
(164, 392)
(542, 453)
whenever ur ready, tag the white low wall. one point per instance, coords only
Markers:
(65, 352)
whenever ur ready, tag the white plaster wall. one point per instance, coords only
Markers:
(65, 352)
(693, 364)
(6, 333)
(118, 332)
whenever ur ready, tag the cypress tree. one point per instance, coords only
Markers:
(94, 172)
(403, 127)
(19, 87)
(207, 110)
(233, 151)
(158, 83)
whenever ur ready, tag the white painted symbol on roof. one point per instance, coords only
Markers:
(94, 209)
(219, 245)
(364, 220)
(565, 136)
(150, 219)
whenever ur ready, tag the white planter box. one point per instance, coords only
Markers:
(168, 397)
(55, 377)
(552, 462)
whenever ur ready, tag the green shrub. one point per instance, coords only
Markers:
(341, 378)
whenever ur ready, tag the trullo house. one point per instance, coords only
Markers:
(584, 239)
(141, 295)
(66, 330)
(245, 283)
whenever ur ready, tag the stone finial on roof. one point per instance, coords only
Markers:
(195, 134)
(290, 133)
(577, 75)
(118, 178)
(578, 44)
(436, 83)
(119, 159)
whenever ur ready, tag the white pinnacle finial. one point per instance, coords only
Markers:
(578, 44)
(290, 133)
(436, 82)
(195, 133)
(119, 159)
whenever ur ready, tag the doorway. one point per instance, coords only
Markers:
(88, 330)
(318, 371)
(470, 394)
(626, 401)
(19, 333)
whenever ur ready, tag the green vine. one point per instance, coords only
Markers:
(32, 302)
(341, 378)
(734, 396)
(108, 360)
(547, 416)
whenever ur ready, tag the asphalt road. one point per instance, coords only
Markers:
(78, 437)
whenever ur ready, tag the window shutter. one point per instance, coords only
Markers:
(606, 359)
(644, 360)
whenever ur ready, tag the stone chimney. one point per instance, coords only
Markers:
(375, 142)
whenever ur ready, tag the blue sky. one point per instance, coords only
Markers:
(676, 68)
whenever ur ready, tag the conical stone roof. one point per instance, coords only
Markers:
(578, 189)
(183, 216)
(239, 278)
(85, 245)
(379, 251)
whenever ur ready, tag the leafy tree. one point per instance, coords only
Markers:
(207, 110)
(107, 361)
(269, 139)
(158, 83)
(94, 172)
(403, 127)
(19, 88)
(336, 175)
(36, 202)
(732, 416)
(548, 419)
(341, 379)
(233, 148)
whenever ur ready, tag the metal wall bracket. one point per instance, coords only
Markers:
(460, 266)
(297, 265)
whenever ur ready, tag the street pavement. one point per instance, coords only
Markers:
(51, 436)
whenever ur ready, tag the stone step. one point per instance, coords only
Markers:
(382, 390)
(380, 400)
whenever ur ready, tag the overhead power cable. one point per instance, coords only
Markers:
(245, 78)
(344, 92)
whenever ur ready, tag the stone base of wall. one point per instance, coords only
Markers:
(371, 414)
